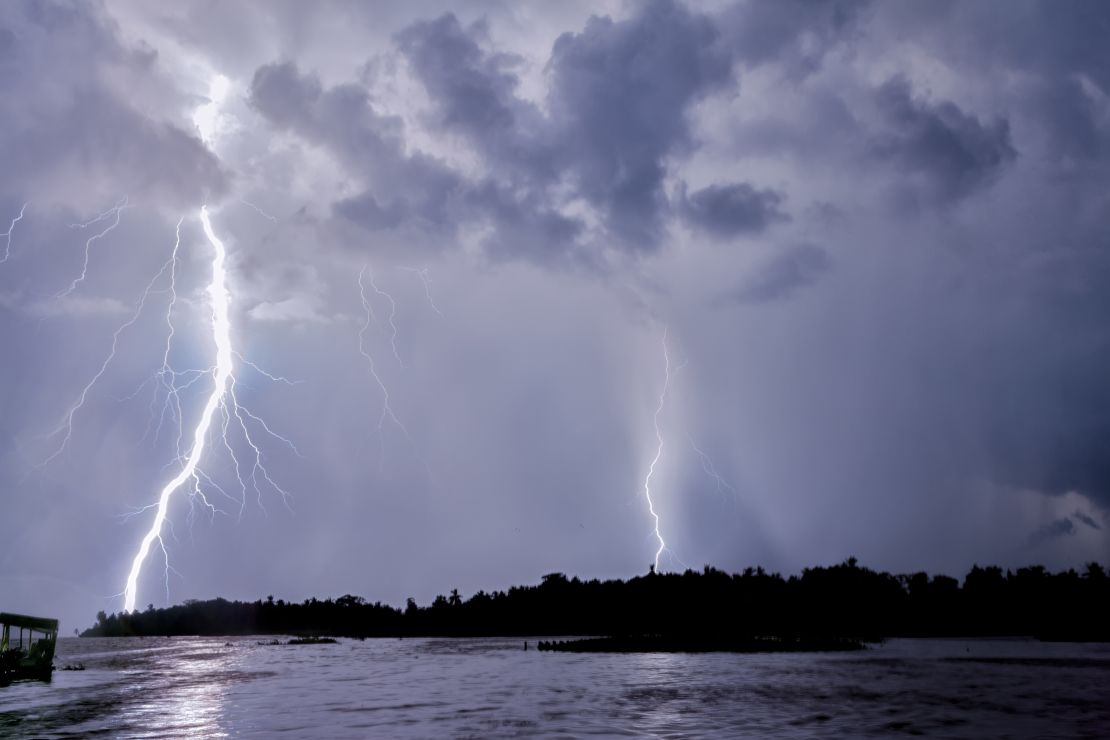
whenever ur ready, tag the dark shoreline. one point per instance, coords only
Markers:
(841, 602)
(667, 644)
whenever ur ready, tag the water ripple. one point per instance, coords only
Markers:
(488, 688)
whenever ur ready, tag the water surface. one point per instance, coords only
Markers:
(217, 687)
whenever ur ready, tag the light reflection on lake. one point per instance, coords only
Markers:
(217, 687)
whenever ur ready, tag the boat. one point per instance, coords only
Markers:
(30, 653)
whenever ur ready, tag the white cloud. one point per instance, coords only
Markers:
(299, 309)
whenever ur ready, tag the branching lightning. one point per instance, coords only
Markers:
(392, 312)
(386, 406)
(711, 469)
(115, 212)
(65, 426)
(8, 234)
(387, 412)
(236, 422)
(387, 409)
(266, 374)
(221, 333)
(165, 376)
(223, 410)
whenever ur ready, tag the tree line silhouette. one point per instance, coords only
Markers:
(844, 601)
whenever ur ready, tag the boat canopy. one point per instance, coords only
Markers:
(40, 624)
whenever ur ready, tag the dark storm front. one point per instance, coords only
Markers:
(214, 687)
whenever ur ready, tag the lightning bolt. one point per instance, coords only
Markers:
(115, 211)
(8, 234)
(166, 380)
(259, 211)
(710, 469)
(392, 313)
(65, 426)
(266, 374)
(165, 376)
(387, 409)
(223, 398)
(422, 274)
(658, 450)
(221, 334)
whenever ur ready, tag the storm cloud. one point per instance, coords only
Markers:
(736, 208)
(875, 237)
(948, 152)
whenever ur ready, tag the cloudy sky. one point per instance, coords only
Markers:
(875, 236)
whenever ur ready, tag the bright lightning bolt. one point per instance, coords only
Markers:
(8, 234)
(658, 449)
(222, 398)
(115, 210)
(221, 334)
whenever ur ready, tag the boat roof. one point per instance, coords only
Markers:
(35, 623)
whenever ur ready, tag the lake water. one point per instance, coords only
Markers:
(214, 687)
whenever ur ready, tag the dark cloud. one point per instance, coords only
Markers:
(284, 96)
(474, 93)
(524, 226)
(617, 108)
(947, 151)
(1082, 518)
(1063, 527)
(341, 118)
(403, 189)
(784, 274)
(400, 186)
(619, 96)
(1050, 69)
(731, 209)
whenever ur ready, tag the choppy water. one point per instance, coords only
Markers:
(208, 687)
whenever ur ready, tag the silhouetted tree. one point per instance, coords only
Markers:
(843, 601)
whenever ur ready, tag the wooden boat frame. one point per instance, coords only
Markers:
(32, 655)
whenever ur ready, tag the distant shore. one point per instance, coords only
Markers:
(698, 644)
(822, 605)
